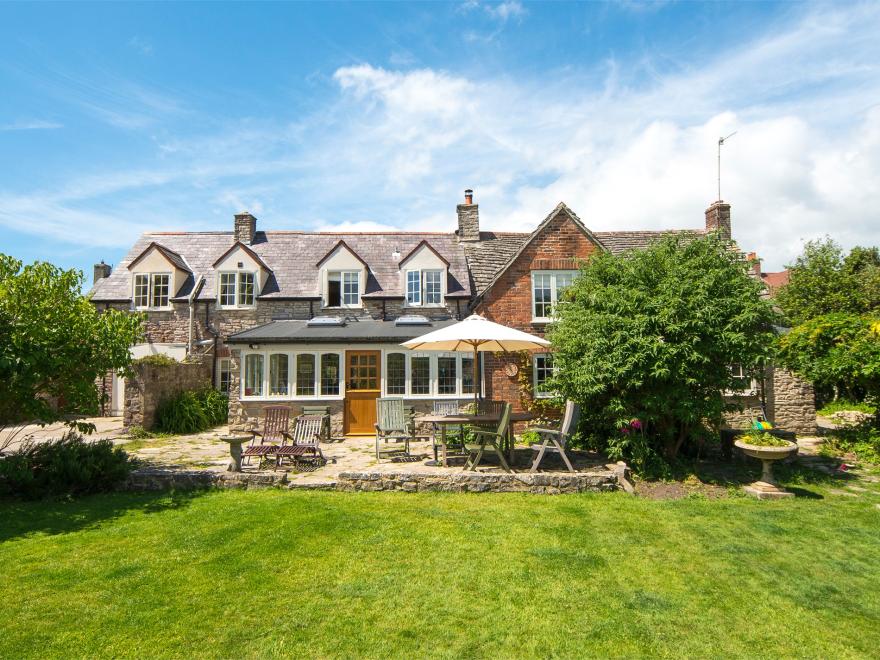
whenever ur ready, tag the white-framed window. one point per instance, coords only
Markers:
(224, 375)
(542, 370)
(427, 375)
(291, 374)
(235, 289)
(547, 288)
(152, 290)
(343, 288)
(747, 384)
(424, 287)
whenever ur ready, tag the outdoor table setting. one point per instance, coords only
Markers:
(465, 419)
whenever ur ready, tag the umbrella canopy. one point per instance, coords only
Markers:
(477, 334)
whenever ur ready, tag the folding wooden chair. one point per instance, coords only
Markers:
(305, 440)
(392, 425)
(493, 438)
(554, 440)
(276, 420)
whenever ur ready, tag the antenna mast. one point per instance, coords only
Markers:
(721, 141)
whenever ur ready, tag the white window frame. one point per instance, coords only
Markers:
(342, 293)
(750, 390)
(236, 289)
(421, 290)
(554, 293)
(434, 373)
(537, 391)
(292, 375)
(151, 281)
(224, 365)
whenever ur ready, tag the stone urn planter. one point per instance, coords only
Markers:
(767, 488)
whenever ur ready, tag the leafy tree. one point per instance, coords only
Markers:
(839, 351)
(823, 281)
(650, 336)
(54, 344)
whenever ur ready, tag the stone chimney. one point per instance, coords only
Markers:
(101, 271)
(718, 219)
(245, 227)
(468, 218)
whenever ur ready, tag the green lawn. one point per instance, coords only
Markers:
(255, 574)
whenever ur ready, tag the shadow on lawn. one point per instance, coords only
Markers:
(22, 518)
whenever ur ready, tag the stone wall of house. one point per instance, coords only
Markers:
(153, 383)
(562, 245)
(790, 402)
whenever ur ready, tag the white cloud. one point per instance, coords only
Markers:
(30, 125)
(141, 45)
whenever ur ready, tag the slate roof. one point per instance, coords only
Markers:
(354, 331)
(292, 258)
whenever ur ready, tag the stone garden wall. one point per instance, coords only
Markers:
(791, 404)
(152, 383)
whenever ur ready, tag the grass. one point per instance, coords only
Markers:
(270, 573)
(842, 405)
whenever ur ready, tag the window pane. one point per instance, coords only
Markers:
(413, 288)
(160, 290)
(467, 375)
(278, 375)
(350, 289)
(395, 374)
(421, 375)
(447, 375)
(542, 294)
(432, 287)
(225, 376)
(563, 281)
(141, 290)
(253, 375)
(245, 288)
(334, 289)
(329, 374)
(305, 375)
(543, 371)
(227, 289)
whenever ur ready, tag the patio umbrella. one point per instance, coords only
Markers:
(476, 334)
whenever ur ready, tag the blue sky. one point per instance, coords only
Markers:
(121, 118)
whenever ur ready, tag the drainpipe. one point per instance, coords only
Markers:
(190, 299)
(216, 335)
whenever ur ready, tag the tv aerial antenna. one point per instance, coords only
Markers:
(721, 141)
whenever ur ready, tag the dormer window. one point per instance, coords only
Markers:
(236, 289)
(343, 288)
(152, 290)
(424, 287)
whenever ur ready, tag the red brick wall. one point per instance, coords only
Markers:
(560, 246)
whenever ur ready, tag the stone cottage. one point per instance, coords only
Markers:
(318, 317)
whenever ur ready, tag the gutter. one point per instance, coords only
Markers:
(190, 301)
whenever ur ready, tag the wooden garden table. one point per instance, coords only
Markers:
(462, 419)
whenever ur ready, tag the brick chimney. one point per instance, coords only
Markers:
(754, 264)
(245, 227)
(468, 218)
(718, 219)
(101, 271)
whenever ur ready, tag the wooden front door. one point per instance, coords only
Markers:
(362, 388)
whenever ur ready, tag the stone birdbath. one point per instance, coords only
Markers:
(767, 488)
(235, 443)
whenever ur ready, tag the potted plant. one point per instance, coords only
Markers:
(767, 448)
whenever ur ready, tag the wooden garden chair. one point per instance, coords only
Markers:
(393, 424)
(276, 420)
(305, 440)
(492, 437)
(448, 408)
(324, 412)
(555, 440)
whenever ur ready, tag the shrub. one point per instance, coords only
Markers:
(192, 411)
(861, 439)
(158, 360)
(67, 466)
(842, 405)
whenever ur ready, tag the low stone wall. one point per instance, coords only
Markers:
(159, 479)
(476, 482)
(152, 383)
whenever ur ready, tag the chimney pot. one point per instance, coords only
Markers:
(101, 271)
(245, 227)
(468, 196)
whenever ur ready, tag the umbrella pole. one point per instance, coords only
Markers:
(476, 382)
